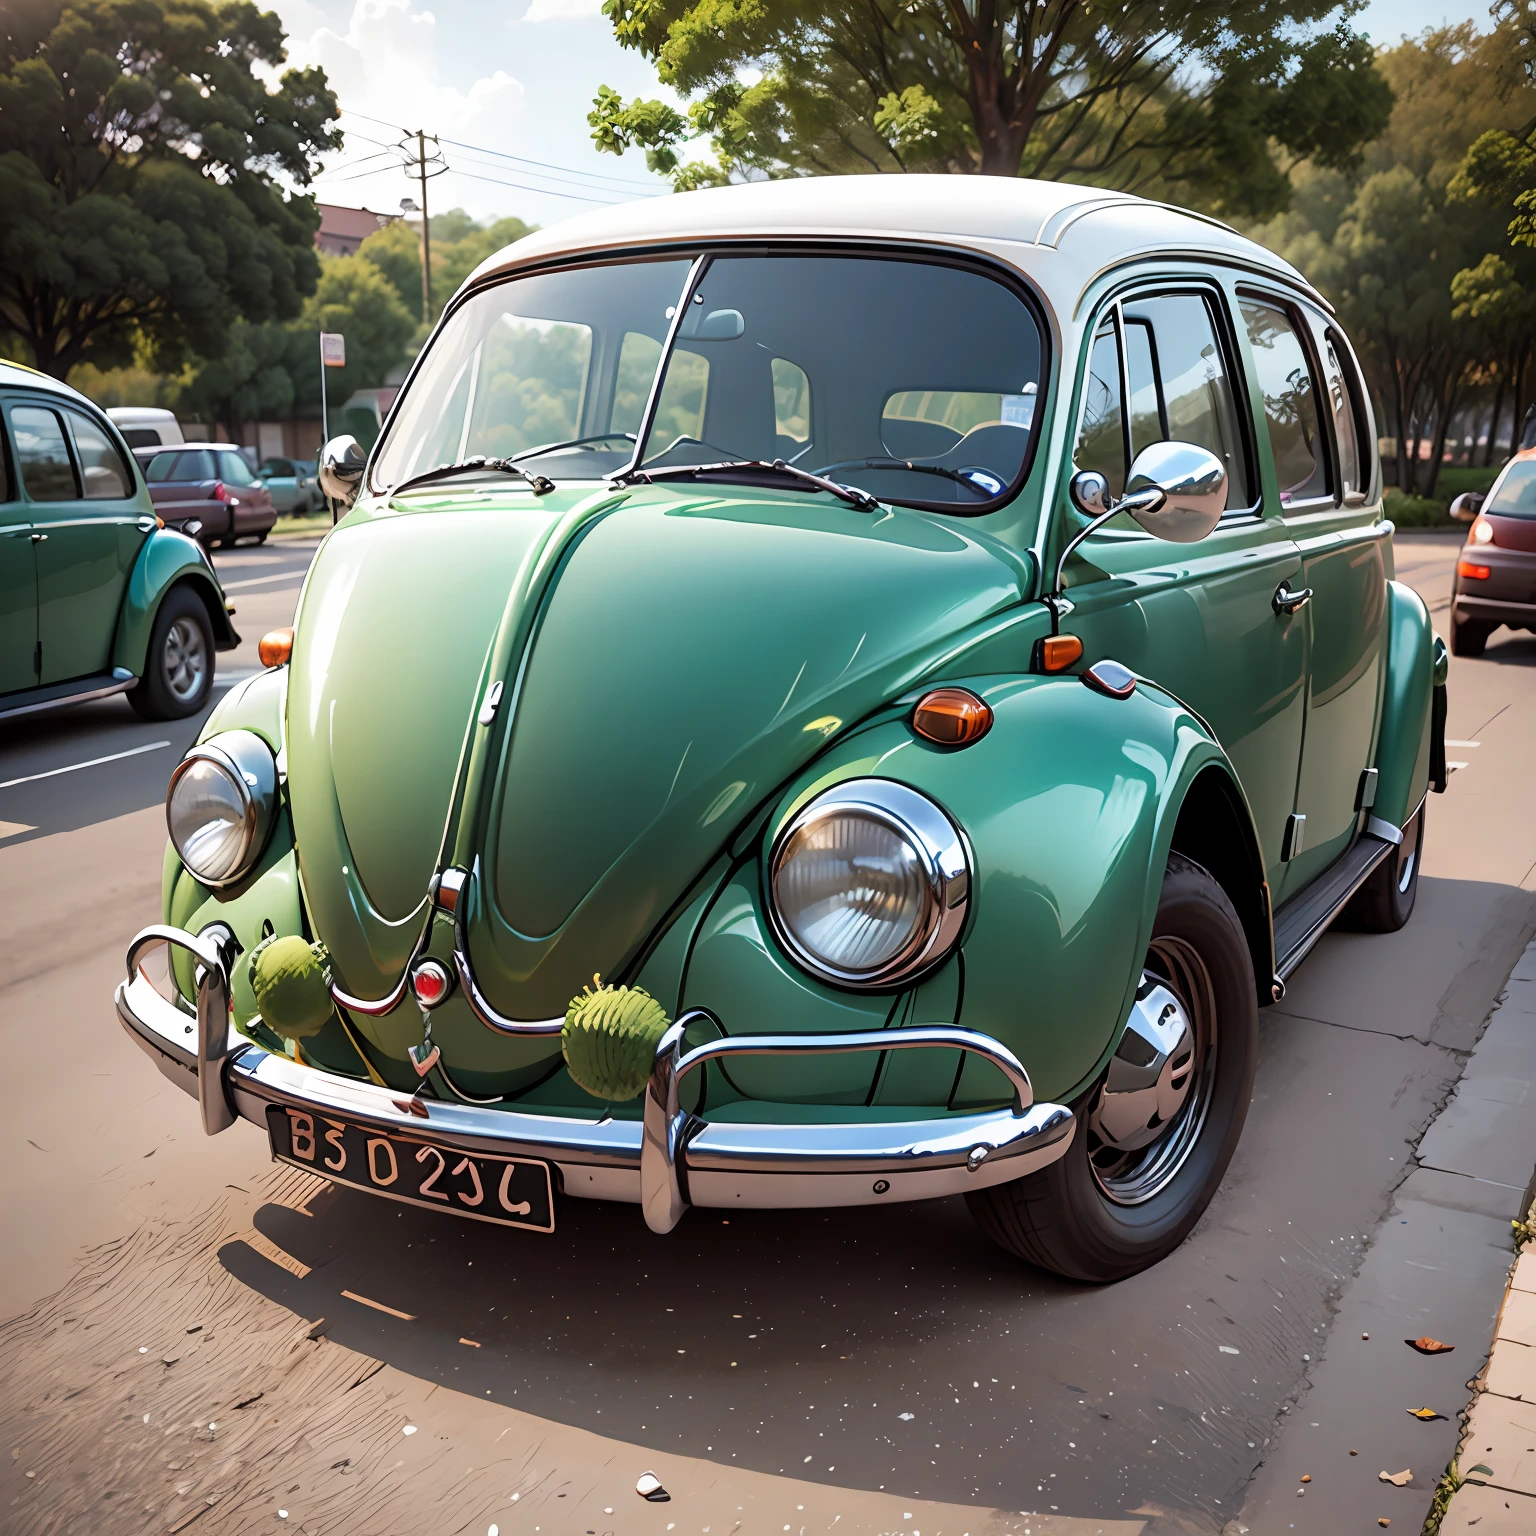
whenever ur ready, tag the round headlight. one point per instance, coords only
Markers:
(220, 806)
(868, 884)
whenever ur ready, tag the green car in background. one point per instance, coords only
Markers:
(827, 693)
(96, 596)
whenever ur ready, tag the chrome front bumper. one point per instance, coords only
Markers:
(665, 1162)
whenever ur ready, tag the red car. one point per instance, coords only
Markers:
(209, 484)
(1495, 579)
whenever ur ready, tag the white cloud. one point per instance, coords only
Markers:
(562, 10)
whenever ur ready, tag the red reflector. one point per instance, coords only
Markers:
(429, 981)
(1476, 572)
(219, 492)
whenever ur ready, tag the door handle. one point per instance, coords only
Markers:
(39, 538)
(1287, 601)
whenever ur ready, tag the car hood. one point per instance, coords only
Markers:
(668, 657)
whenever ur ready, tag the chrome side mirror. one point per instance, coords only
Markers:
(1466, 506)
(342, 462)
(1176, 491)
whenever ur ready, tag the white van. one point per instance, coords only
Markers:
(146, 426)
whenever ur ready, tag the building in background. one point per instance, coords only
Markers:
(342, 230)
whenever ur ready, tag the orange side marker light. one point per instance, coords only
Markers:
(1058, 652)
(276, 647)
(952, 717)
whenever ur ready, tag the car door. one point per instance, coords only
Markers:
(91, 528)
(18, 583)
(180, 483)
(250, 508)
(1195, 618)
(1317, 435)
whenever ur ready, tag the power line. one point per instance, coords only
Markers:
(545, 176)
(502, 154)
(575, 197)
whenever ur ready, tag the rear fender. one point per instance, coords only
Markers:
(167, 559)
(1410, 742)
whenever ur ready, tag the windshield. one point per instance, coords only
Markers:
(913, 380)
(1516, 493)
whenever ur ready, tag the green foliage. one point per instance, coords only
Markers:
(1418, 511)
(1214, 99)
(459, 245)
(291, 982)
(140, 154)
(610, 1039)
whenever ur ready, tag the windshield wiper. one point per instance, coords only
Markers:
(892, 462)
(541, 486)
(573, 442)
(776, 470)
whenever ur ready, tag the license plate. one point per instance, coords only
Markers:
(512, 1191)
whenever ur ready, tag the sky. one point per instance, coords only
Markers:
(510, 82)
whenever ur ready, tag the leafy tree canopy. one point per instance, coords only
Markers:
(459, 245)
(140, 146)
(1212, 100)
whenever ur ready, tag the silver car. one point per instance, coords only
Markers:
(292, 485)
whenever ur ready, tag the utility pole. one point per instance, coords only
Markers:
(426, 238)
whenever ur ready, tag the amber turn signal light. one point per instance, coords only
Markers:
(952, 717)
(1476, 572)
(1058, 652)
(276, 647)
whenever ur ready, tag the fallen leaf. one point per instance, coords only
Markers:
(1482, 1467)
(1428, 1346)
(1397, 1479)
(1383, 1522)
(1354, 1453)
(1425, 1414)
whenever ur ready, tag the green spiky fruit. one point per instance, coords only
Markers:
(290, 980)
(610, 1039)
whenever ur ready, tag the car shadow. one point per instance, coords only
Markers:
(1512, 647)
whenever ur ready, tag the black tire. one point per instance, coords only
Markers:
(1086, 1216)
(178, 667)
(1469, 637)
(1385, 902)
(261, 538)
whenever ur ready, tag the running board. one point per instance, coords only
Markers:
(35, 700)
(1303, 920)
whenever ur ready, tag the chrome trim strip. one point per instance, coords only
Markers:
(718, 1164)
(383, 1005)
(117, 685)
(480, 1005)
(1303, 947)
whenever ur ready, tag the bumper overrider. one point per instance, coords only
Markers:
(665, 1162)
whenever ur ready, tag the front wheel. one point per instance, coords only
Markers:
(178, 669)
(1150, 1151)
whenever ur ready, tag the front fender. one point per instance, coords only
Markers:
(1405, 746)
(166, 558)
(1070, 804)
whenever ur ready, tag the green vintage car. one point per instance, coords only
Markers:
(829, 692)
(97, 596)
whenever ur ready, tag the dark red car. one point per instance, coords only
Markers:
(1495, 579)
(210, 484)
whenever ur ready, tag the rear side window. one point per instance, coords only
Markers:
(1168, 350)
(1515, 494)
(1351, 424)
(42, 455)
(197, 465)
(106, 476)
(234, 470)
(141, 437)
(1290, 402)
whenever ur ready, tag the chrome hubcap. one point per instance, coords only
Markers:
(185, 659)
(1152, 1107)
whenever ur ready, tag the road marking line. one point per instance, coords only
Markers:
(1463, 743)
(1451, 766)
(95, 762)
(260, 581)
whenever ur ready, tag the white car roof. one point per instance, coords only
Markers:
(1059, 234)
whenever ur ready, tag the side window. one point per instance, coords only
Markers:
(42, 455)
(189, 467)
(1180, 391)
(233, 469)
(1290, 402)
(1349, 420)
(106, 476)
(791, 407)
(7, 490)
(1101, 433)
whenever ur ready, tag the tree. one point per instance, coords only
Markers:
(1214, 97)
(273, 370)
(140, 152)
(459, 245)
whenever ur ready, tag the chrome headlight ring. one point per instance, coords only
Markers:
(882, 814)
(220, 806)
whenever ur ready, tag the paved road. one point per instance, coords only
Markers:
(858, 1371)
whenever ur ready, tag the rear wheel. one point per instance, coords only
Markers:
(1150, 1151)
(1469, 637)
(1385, 902)
(178, 668)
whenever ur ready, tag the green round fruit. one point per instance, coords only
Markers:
(610, 1039)
(290, 980)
